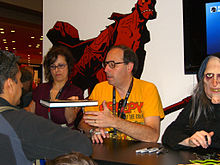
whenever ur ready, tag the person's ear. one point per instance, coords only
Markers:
(130, 66)
(9, 85)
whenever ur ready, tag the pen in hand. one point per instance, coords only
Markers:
(206, 139)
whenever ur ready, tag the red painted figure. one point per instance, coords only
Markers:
(128, 29)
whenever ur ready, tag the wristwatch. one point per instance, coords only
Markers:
(91, 131)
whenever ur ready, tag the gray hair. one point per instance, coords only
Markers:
(200, 102)
(8, 67)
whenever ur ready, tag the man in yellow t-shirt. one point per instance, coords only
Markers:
(129, 108)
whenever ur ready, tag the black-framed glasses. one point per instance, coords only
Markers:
(111, 64)
(210, 76)
(59, 66)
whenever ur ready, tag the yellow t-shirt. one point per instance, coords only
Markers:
(144, 101)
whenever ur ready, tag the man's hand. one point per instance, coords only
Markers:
(101, 119)
(98, 134)
(200, 138)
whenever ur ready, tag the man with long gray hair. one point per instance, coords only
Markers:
(198, 123)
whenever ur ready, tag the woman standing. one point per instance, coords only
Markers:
(58, 64)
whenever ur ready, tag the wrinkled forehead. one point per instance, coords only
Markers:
(115, 54)
(213, 65)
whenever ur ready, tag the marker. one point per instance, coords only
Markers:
(152, 150)
(143, 150)
(159, 151)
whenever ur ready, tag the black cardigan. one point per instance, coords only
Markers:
(179, 130)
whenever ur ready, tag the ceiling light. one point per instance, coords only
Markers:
(41, 39)
(33, 37)
(5, 42)
(6, 47)
(13, 41)
(2, 32)
(14, 48)
(28, 54)
(1, 29)
(38, 46)
(29, 46)
(4, 39)
(12, 31)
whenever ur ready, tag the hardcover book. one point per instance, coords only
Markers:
(68, 103)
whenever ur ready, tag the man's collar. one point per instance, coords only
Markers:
(4, 102)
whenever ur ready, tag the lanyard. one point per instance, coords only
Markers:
(121, 109)
(57, 96)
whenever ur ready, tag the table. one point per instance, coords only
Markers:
(121, 152)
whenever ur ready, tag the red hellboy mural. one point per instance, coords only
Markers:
(128, 29)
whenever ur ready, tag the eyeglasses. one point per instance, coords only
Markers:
(111, 64)
(59, 66)
(210, 76)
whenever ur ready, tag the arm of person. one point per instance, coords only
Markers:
(148, 132)
(176, 132)
(31, 107)
(85, 127)
(71, 112)
(91, 132)
(179, 130)
(42, 138)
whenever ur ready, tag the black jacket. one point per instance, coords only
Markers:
(180, 129)
(41, 138)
